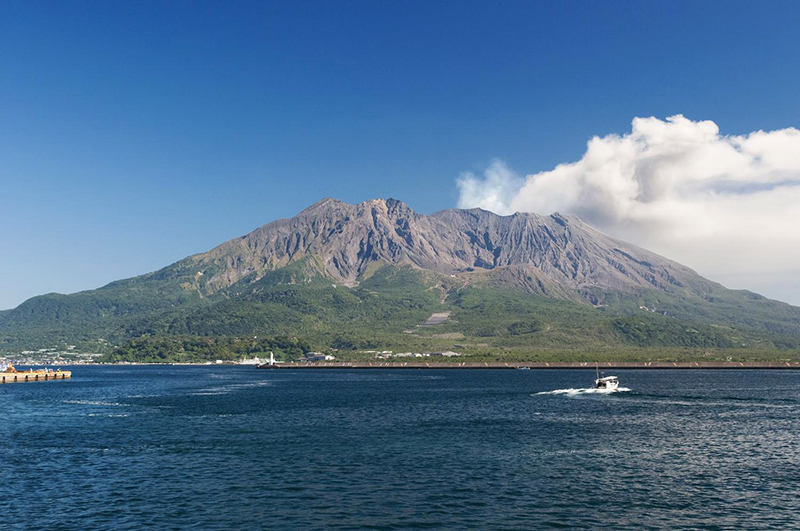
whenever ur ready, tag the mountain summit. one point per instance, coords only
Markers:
(554, 254)
(378, 269)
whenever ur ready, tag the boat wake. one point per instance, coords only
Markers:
(227, 389)
(588, 391)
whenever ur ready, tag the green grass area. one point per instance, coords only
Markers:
(135, 320)
(188, 349)
(193, 349)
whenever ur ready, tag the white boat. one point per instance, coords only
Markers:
(609, 383)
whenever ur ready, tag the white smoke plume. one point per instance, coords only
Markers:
(728, 206)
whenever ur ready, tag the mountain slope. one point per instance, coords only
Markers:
(378, 268)
(557, 250)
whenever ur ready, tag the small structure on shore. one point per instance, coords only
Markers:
(318, 356)
(9, 374)
(270, 364)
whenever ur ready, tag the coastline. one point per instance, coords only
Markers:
(496, 365)
(542, 365)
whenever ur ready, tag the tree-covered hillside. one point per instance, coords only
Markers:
(301, 307)
(368, 276)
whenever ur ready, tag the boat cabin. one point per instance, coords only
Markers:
(607, 382)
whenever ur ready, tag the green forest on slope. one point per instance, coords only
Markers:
(298, 309)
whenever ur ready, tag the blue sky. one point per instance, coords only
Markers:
(133, 134)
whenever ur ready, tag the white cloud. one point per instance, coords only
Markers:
(728, 206)
(494, 191)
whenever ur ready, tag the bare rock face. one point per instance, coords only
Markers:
(554, 255)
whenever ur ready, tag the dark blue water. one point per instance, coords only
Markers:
(236, 447)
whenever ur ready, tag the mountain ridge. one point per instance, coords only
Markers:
(349, 237)
(267, 281)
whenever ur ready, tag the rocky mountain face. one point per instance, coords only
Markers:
(553, 255)
(489, 271)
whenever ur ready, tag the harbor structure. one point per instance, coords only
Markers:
(9, 374)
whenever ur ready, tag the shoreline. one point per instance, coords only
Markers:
(541, 365)
(493, 365)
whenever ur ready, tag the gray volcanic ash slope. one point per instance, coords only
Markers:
(557, 251)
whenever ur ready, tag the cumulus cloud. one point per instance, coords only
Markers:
(728, 206)
(494, 192)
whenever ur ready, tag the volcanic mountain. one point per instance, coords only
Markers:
(378, 266)
(545, 254)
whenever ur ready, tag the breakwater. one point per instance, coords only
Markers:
(539, 365)
(34, 376)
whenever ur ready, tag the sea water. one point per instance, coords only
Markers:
(230, 447)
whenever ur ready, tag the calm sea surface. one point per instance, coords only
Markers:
(235, 447)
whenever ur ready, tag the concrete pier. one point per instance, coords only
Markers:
(34, 376)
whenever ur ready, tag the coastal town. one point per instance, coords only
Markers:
(68, 355)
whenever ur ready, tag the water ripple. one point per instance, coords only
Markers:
(235, 447)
